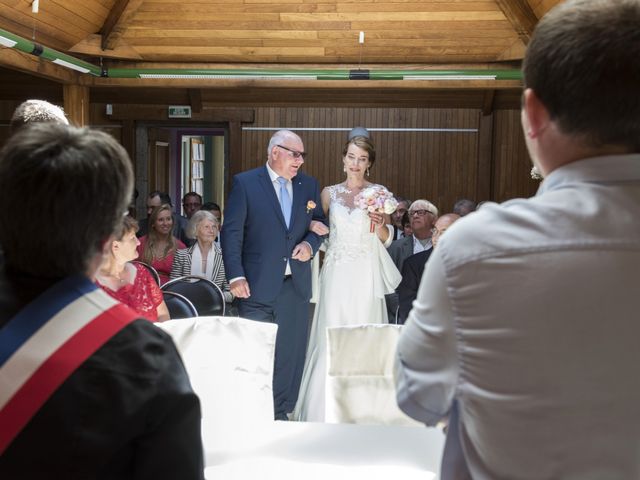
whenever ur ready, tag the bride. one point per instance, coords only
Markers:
(356, 274)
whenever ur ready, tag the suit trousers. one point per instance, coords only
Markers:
(291, 313)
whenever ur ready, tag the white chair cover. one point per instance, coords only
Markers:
(360, 387)
(230, 364)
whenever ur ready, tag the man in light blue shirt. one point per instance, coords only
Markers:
(525, 329)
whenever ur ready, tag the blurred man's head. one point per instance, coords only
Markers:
(441, 226)
(581, 77)
(464, 206)
(191, 202)
(157, 198)
(86, 175)
(213, 208)
(403, 207)
(36, 111)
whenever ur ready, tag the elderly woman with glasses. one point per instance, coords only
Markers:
(204, 257)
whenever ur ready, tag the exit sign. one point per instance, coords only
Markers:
(179, 111)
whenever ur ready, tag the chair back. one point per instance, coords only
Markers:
(179, 306)
(152, 271)
(360, 387)
(230, 363)
(205, 295)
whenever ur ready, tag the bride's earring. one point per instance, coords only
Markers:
(367, 171)
(344, 168)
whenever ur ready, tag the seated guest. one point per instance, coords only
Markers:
(398, 217)
(214, 208)
(422, 215)
(191, 203)
(407, 231)
(89, 390)
(217, 212)
(204, 258)
(464, 206)
(131, 284)
(156, 199)
(414, 266)
(158, 247)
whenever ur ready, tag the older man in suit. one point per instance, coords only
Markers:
(267, 245)
(423, 215)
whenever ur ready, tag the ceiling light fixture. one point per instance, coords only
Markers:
(201, 76)
(436, 76)
(7, 42)
(70, 65)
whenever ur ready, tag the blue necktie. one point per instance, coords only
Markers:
(285, 200)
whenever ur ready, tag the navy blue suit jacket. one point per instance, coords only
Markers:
(412, 270)
(256, 243)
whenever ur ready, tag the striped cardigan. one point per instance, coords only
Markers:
(182, 266)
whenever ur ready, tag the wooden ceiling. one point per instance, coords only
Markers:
(282, 32)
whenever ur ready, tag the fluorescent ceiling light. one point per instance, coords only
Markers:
(71, 65)
(227, 76)
(7, 42)
(449, 77)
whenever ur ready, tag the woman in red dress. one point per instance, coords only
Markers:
(158, 247)
(131, 284)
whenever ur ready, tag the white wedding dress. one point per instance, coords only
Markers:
(356, 274)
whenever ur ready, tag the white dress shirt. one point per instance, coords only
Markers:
(528, 315)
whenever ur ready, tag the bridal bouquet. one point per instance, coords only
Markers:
(376, 199)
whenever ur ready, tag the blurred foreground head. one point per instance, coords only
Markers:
(63, 191)
(33, 111)
(582, 64)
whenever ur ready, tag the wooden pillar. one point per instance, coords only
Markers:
(76, 104)
(235, 151)
(129, 141)
(484, 187)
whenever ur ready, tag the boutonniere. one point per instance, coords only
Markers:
(310, 205)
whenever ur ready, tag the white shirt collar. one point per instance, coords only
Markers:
(273, 175)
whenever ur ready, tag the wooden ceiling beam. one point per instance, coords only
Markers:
(302, 84)
(521, 17)
(23, 62)
(117, 22)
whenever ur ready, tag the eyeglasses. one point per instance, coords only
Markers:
(420, 213)
(294, 153)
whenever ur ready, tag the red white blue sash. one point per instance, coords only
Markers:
(47, 341)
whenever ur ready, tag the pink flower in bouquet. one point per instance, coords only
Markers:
(376, 199)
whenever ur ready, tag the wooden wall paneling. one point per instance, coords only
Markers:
(484, 155)
(235, 149)
(441, 166)
(512, 165)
